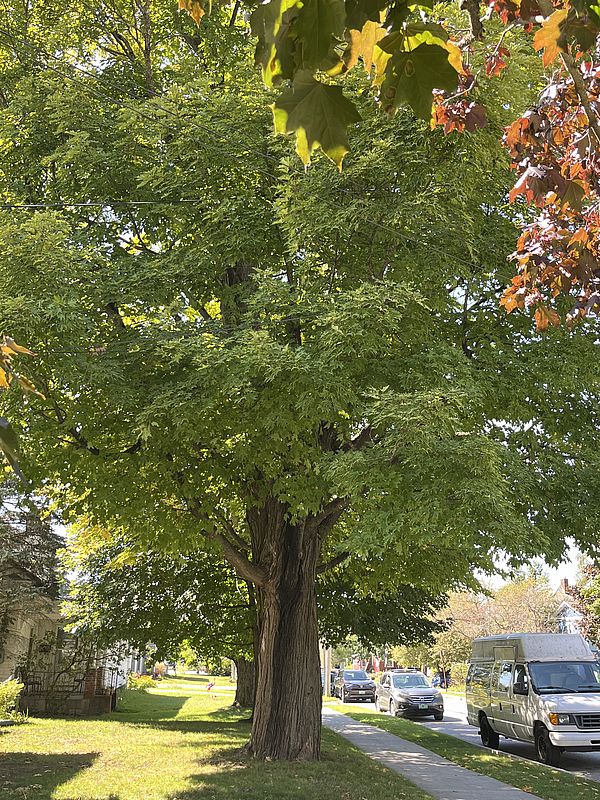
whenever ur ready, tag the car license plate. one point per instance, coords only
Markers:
(423, 705)
(362, 691)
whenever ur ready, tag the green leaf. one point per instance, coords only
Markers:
(412, 35)
(360, 11)
(411, 77)
(319, 114)
(318, 22)
(271, 23)
(9, 444)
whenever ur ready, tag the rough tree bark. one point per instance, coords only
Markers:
(287, 712)
(244, 692)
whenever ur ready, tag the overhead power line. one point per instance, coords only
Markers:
(216, 145)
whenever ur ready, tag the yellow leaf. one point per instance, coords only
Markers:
(30, 387)
(380, 60)
(549, 36)
(194, 8)
(455, 57)
(362, 45)
(4, 379)
(16, 348)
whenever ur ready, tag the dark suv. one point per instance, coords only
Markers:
(408, 693)
(354, 684)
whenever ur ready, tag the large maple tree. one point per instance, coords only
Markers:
(283, 366)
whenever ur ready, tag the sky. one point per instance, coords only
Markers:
(566, 569)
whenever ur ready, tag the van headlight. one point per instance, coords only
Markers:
(561, 719)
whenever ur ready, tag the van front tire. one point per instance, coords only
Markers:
(489, 737)
(547, 752)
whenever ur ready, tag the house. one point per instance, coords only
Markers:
(61, 672)
(568, 618)
(27, 615)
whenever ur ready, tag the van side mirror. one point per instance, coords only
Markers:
(520, 688)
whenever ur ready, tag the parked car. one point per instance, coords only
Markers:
(332, 677)
(354, 684)
(536, 687)
(408, 693)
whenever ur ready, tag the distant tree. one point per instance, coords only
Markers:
(28, 542)
(182, 603)
(585, 597)
(527, 604)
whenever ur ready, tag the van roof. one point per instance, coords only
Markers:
(532, 647)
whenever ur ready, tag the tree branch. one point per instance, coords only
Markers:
(333, 562)
(360, 440)
(234, 13)
(547, 10)
(231, 532)
(334, 508)
(241, 563)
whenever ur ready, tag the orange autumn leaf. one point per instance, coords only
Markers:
(545, 316)
(549, 35)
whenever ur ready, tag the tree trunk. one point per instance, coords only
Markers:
(287, 711)
(244, 691)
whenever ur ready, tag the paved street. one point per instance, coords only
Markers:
(455, 723)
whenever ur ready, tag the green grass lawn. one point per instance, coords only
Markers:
(177, 742)
(530, 776)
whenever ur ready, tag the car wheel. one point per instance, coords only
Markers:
(489, 737)
(393, 709)
(378, 705)
(547, 752)
(438, 716)
(343, 696)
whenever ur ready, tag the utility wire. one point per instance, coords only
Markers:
(96, 204)
(216, 147)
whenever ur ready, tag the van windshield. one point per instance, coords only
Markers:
(565, 676)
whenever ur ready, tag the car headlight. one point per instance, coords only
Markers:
(561, 719)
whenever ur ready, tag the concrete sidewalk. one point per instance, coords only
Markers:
(436, 775)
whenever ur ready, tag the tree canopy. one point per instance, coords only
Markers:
(437, 59)
(278, 367)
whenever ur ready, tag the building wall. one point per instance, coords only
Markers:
(22, 628)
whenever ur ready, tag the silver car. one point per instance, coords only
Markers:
(408, 693)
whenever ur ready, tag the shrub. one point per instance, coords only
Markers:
(458, 671)
(159, 669)
(139, 683)
(9, 696)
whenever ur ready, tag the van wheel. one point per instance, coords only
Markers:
(489, 737)
(393, 709)
(547, 752)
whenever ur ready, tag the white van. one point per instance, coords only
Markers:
(536, 687)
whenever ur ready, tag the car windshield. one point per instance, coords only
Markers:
(408, 681)
(355, 675)
(566, 676)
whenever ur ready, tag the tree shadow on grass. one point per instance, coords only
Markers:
(35, 776)
(149, 708)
